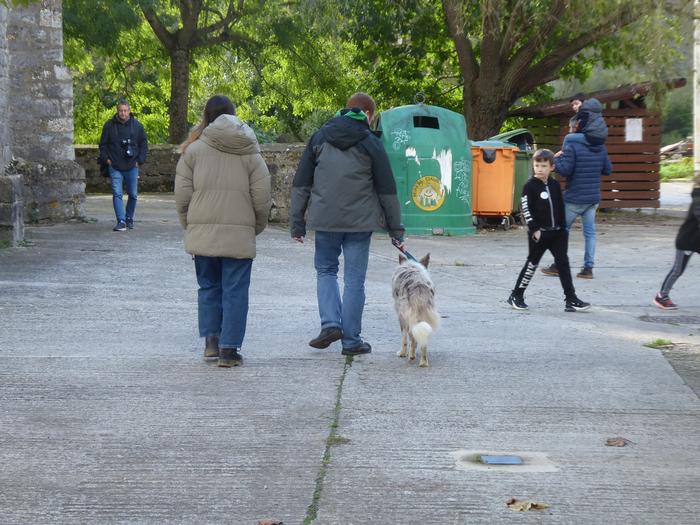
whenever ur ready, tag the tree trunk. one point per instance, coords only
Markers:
(179, 94)
(485, 110)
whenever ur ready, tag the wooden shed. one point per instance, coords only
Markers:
(634, 141)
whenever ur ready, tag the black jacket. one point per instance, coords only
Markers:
(591, 122)
(345, 181)
(543, 205)
(688, 237)
(113, 133)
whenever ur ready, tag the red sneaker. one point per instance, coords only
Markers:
(664, 303)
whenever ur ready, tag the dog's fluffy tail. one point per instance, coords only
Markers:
(421, 332)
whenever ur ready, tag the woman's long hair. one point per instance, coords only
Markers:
(215, 107)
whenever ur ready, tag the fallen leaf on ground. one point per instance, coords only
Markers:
(523, 505)
(270, 522)
(617, 442)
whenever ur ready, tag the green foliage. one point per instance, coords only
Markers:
(280, 87)
(297, 62)
(681, 169)
(99, 23)
(18, 3)
(677, 115)
(407, 48)
(131, 67)
(401, 48)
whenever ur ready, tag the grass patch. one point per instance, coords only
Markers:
(337, 440)
(332, 439)
(660, 343)
(678, 169)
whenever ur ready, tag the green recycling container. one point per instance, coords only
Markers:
(523, 160)
(429, 154)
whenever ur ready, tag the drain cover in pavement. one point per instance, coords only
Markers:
(501, 460)
(529, 461)
(671, 319)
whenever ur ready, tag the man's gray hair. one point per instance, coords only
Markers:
(123, 102)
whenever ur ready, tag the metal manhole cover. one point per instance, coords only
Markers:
(671, 319)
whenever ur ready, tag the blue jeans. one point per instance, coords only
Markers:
(346, 315)
(223, 298)
(587, 213)
(130, 178)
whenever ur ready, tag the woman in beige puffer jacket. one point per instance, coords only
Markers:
(222, 194)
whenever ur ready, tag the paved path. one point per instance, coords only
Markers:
(109, 415)
(675, 196)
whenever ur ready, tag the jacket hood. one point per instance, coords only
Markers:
(230, 134)
(592, 105)
(344, 132)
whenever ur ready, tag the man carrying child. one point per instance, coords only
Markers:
(582, 161)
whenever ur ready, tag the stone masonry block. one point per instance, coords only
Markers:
(59, 125)
(10, 189)
(50, 18)
(62, 73)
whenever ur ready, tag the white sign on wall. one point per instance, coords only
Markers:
(633, 130)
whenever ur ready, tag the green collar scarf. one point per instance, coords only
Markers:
(353, 113)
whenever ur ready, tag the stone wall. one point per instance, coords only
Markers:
(5, 154)
(158, 174)
(53, 190)
(11, 210)
(41, 88)
(37, 114)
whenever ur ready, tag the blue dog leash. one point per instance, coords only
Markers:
(397, 244)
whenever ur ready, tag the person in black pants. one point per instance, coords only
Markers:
(687, 243)
(543, 209)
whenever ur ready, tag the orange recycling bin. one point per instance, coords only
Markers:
(493, 178)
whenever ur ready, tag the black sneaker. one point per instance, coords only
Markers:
(576, 305)
(326, 337)
(551, 270)
(211, 348)
(517, 302)
(363, 348)
(120, 227)
(229, 357)
(129, 225)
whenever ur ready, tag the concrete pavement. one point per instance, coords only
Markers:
(109, 415)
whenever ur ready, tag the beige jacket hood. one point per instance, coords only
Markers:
(230, 134)
(222, 191)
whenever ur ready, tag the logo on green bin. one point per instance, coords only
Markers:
(428, 193)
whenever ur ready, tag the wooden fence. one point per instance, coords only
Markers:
(635, 181)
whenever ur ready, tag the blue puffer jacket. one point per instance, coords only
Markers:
(582, 165)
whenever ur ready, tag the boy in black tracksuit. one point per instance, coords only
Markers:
(543, 209)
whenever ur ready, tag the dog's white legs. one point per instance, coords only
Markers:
(412, 353)
(423, 356)
(404, 341)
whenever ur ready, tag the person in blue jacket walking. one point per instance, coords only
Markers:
(583, 164)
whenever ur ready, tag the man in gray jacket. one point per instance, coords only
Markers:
(345, 181)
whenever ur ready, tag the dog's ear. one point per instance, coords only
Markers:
(425, 261)
(402, 259)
